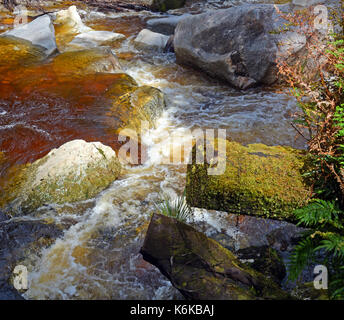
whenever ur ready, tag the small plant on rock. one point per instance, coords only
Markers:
(175, 208)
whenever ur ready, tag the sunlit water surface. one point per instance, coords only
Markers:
(98, 256)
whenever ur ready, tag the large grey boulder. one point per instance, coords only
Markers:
(239, 44)
(40, 32)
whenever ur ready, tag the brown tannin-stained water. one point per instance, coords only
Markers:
(42, 106)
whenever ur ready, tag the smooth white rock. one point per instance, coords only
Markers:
(95, 38)
(40, 32)
(151, 39)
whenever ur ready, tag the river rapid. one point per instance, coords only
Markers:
(98, 255)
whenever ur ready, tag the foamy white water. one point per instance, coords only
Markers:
(98, 256)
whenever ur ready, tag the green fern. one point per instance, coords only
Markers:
(319, 213)
(333, 244)
(337, 285)
(302, 254)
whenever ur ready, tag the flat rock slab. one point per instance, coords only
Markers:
(95, 38)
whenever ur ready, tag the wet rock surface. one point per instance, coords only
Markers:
(18, 239)
(239, 44)
(255, 179)
(165, 25)
(95, 38)
(76, 171)
(40, 32)
(199, 267)
(152, 40)
(265, 260)
(238, 232)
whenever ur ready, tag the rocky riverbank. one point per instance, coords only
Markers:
(83, 76)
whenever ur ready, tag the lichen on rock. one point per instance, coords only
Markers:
(76, 171)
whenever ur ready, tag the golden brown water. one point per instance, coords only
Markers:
(46, 103)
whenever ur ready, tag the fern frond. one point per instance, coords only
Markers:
(333, 244)
(337, 285)
(302, 254)
(319, 212)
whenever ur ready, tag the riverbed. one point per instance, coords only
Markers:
(98, 255)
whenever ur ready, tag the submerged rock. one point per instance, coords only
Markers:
(76, 171)
(239, 45)
(86, 61)
(40, 33)
(258, 180)
(149, 39)
(136, 105)
(199, 267)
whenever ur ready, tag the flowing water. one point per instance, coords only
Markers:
(98, 255)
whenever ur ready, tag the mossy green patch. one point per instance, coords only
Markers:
(200, 267)
(258, 180)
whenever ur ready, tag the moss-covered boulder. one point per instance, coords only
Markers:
(76, 171)
(199, 267)
(258, 180)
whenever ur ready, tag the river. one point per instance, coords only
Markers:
(98, 255)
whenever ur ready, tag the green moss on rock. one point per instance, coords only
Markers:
(199, 267)
(306, 291)
(258, 180)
